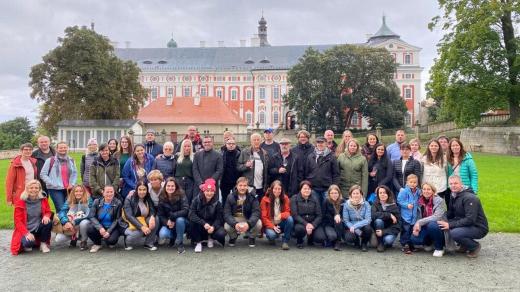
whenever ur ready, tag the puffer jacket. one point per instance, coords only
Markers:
(84, 167)
(63, 214)
(15, 180)
(103, 173)
(266, 214)
(129, 175)
(412, 167)
(356, 218)
(467, 172)
(168, 210)
(353, 171)
(405, 197)
(391, 209)
(202, 212)
(307, 210)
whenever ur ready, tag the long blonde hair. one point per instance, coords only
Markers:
(71, 197)
(343, 144)
(25, 195)
(181, 151)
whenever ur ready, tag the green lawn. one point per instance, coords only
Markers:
(499, 186)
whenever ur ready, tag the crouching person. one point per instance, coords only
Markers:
(104, 216)
(32, 223)
(242, 213)
(73, 216)
(306, 211)
(276, 214)
(206, 217)
(357, 217)
(173, 213)
(139, 218)
(386, 218)
(332, 230)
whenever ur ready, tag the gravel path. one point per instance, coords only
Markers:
(261, 268)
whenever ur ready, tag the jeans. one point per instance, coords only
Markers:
(286, 226)
(96, 237)
(386, 239)
(41, 234)
(58, 198)
(321, 195)
(176, 233)
(465, 236)
(406, 232)
(430, 233)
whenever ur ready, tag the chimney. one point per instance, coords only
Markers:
(202, 44)
(127, 44)
(220, 44)
(242, 43)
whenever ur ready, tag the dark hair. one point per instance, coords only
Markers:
(371, 134)
(303, 183)
(26, 145)
(130, 146)
(271, 196)
(443, 137)
(134, 156)
(102, 146)
(439, 159)
(390, 194)
(405, 145)
(462, 151)
(172, 198)
(115, 140)
(139, 184)
(373, 158)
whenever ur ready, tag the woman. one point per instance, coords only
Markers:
(139, 218)
(347, 136)
(353, 168)
(103, 171)
(173, 213)
(124, 151)
(386, 218)
(307, 214)
(112, 147)
(332, 225)
(380, 169)
(404, 166)
(461, 163)
(165, 162)
(184, 169)
(370, 145)
(206, 217)
(445, 144)
(73, 215)
(21, 171)
(435, 167)
(104, 215)
(276, 217)
(357, 217)
(86, 161)
(415, 145)
(32, 223)
(426, 231)
(155, 185)
(136, 169)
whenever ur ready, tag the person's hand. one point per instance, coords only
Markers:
(249, 164)
(67, 226)
(277, 229)
(151, 223)
(207, 226)
(145, 230)
(170, 224)
(46, 220)
(211, 229)
(282, 170)
(309, 227)
(30, 237)
(379, 233)
(394, 219)
(416, 229)
(444, 225)
(337, 219)
(238, 227)
(410, 206)
(352, 229)
(102, 231)
(107, 235)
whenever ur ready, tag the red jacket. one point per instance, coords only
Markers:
(20, 223)
(265, 209)
(15, 181)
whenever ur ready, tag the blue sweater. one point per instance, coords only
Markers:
(405, 197)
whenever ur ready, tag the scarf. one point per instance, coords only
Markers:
(321, 153)
(358, 205)
(386, 205)
(426, 206)
(60, 160)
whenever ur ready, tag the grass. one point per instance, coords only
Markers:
(499, 186)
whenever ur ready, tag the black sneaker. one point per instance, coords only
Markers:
(83, 245)
(232, 242)
(73, 243)
(364, 247)
(299, 243)
(380, 247)
(251, 241)
(180, 248)
(337, 246)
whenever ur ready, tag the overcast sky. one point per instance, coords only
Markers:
(30, 28)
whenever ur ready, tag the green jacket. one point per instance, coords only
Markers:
(102, 174)
(467, 172)
(353, 171)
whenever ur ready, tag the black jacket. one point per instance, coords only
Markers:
(207, 164)
(230, 173)
(245, 155)
(322, 172)
(329, 212)
(250, 209)
(168, 210)
(202, 212)
(379, 213)
(166, 165)
(40, 159)
(412, 166)
(289, 179)
(302, 151)
(132, 211)
(306, 211)
(466, 210)
(153, 148)
(114, 211)
(384, 175)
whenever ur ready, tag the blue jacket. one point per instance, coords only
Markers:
(356, 218)
(166, 165)
(65, 210)
(130, 177)
(406, 197)
(467, 172)
(52, 177)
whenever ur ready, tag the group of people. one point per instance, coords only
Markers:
(326, 193)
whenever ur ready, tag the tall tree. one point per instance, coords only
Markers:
(83, 79)
(478, 65)
(15, 132)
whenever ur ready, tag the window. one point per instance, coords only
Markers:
(169, 92)
(407, 93)
(355, 119)
(234, 94)
(187, 91)
(276, 93)
(249, 118)
(219, 93)
(408, 59)
(249, 94)
(408, 119)
(203, 91)
(154, 93)
(235, 78)
(220, 78)
(248, 78)
(261, 117)
(276, 118)
(261, 92)
(81, 138)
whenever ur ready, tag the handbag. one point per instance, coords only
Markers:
(131, 226)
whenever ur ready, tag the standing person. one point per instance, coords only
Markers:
(461, 163)
(136, 169)
(86, 161)
(331, 144)
(32, 223)
(207, 163)
(370, 145)
(155, 185)
(415, 145)
(230, 156)
(395, 148)
(408, 201)
(332, 230)
(322, 169)
(466, 218)
(173, 214)
(353, 168)
(103, 171)
(104, 215)
(21, 171)
(113, 148)
(184, 170)
(242, 213)
(269, 145)
(276, 217)
(386, 218)
(59, 174)
(435, 168)
(357, 217)
(380, 169)
(253, 164)
(125, 151)
(307, 214)
(44, 152)
(345, 137)
(405, 166)
(165, 162)
(225, 137)
(444, 141)
(302, 150)
(74, 213)
(151, 146)
(206, 217)
(284, 167)
(193, 136)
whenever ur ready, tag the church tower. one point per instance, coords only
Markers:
(262, 32)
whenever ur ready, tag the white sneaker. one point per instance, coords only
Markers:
(211, 244)
(129, 247)
(61, 238)
(151, 247)
(428, 248)
(438, 253)
(198, 247)
(44, 247)
(95, 248)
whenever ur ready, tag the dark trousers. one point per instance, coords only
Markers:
(406, 233)
(328, 233)
(465, 236)
(225, 189)
(430, 233)
(198, 234)
(96, 238)
(300, 232)
(364, 236)
(187, 184)
(41, 234)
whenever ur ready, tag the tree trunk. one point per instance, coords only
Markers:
(511, 55)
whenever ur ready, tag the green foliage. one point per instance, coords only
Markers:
(15, 132)
(83, 79)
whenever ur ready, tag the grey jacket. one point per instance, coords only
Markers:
(207, 164)
(439, 212)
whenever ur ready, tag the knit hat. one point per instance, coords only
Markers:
(209, 184)
(92, 141)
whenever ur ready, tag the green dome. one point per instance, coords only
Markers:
(172, 43)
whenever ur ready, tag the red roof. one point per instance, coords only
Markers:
(211, 110)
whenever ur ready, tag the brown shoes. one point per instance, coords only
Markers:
(474, 253)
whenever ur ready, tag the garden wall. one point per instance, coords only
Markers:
(500, 140)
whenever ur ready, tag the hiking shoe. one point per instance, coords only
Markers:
(129, 247)
(337, 246)
(251, 241)
(95, 248)
(285, 246)
(380, 247)
(211, 244)
(364, 247)
(151, 247)
(44, 247)
(232, 242)
(180, 249)
(83, 245)
(428, 248)
(198, 247)
(73, 243)
(474, 253)
(438, 253)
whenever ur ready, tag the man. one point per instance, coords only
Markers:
(284, 167)
(394, 149)
(207, 163)
(269, 145)
(302, 150)
(253, 163)
(226, 136)
(242, 213)
(331, 144)
(322, 169)
(230, 155)
(151, 147)
(194, 137)
(44, 152)
(466, 218)
(59, 174)
(21, 171)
